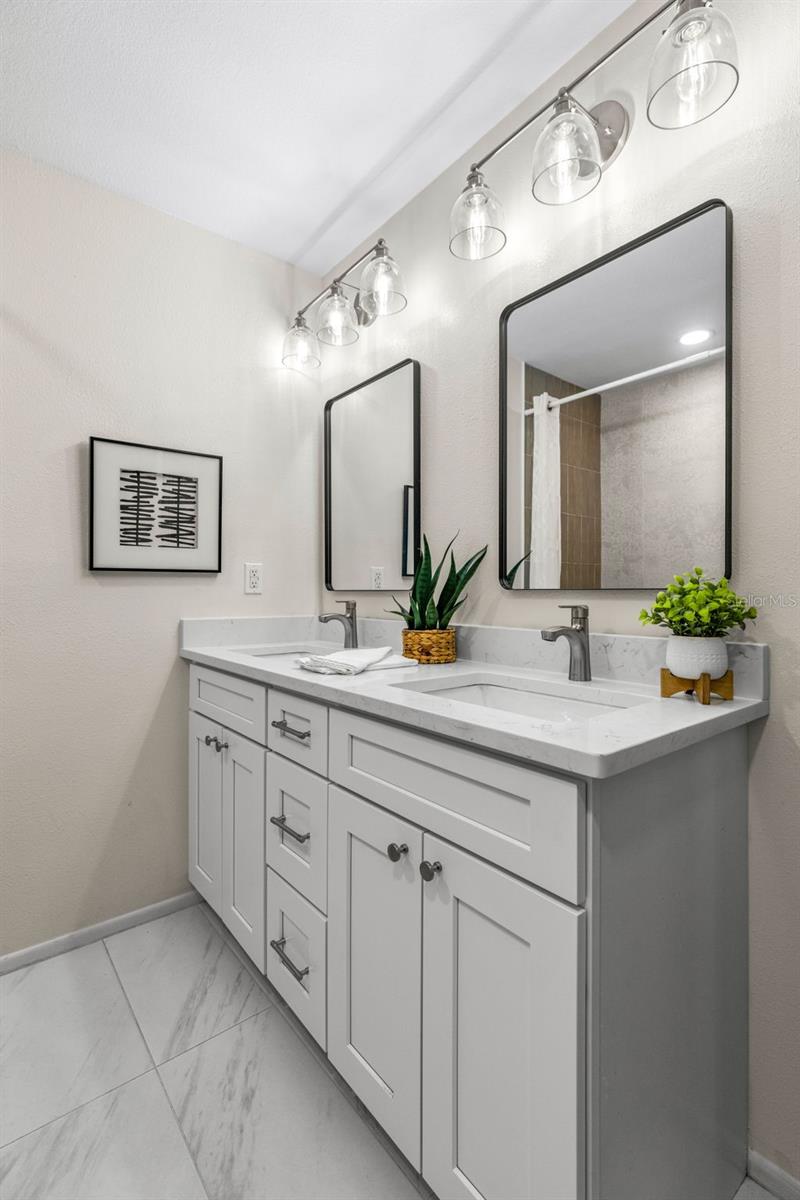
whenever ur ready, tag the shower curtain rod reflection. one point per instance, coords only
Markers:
(690, 361)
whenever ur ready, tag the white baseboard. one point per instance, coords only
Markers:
(772, 1177)
(93, 933)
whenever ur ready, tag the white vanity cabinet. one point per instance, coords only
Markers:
(457, 999)
(226, 828)
(536, 982)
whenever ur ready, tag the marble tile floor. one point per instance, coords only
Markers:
(159, 1065)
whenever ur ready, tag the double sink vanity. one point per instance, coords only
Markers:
(510, 907)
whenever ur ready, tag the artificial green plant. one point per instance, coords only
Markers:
(694, 606)
(425, 610)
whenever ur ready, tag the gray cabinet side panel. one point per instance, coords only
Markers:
(668, 976)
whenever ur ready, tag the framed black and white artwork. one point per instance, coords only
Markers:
(153, 509)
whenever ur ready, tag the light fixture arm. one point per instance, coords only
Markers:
(515, 133)
(379, 247)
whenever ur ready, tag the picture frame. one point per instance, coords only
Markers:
(154, 508)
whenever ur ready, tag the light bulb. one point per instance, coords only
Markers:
(567, 158)
(694, 69)
(476, 221)
(381, 292)
(338, 323)
(300, 346)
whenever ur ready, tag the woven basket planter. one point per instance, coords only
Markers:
(430, 645)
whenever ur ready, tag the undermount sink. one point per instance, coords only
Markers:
(540, 700)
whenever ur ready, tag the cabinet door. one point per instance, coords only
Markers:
(243, 846)
(205, 809)
(503, 1048)
(374, 952)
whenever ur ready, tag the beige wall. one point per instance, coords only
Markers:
(747, 156)
(124, 323)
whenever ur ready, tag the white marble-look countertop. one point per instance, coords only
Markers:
(598, 747)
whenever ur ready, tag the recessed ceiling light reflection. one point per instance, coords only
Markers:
(695, 337)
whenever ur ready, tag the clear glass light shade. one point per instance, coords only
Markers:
(338, 323)
(300, 347)
(694, 70)
(566, 160)
(476, 221)
(382, 292)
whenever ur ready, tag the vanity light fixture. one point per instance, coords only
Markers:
(300, 346)
(695, 68)
(338, 323)
(695, 337)
(476, 220)
(574, 147)
(381, 294)
(693, 73)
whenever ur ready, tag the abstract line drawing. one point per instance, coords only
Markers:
(137, 507)
(157, 509)
(177, 512)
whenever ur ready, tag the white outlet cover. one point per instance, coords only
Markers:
(376, 575)
(253, 578)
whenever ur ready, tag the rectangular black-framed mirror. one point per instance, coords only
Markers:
(615, 415)
(372, 482)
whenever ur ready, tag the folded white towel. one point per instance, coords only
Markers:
(353, 662)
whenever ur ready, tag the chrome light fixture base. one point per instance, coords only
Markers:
(364, 316)
(613, 127)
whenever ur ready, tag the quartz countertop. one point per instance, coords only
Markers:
(596, 747)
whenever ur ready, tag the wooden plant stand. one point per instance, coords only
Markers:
(702, 687)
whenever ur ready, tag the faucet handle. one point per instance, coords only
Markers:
(349, 607)
(577, 610)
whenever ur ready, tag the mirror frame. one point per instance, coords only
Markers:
(690, 215)
(416, 482)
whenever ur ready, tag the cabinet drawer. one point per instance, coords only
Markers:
(298, 729)
(296, 954)
(526, 821)
(297, 828)
(236, 703)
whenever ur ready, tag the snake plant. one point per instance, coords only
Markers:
(424, 610)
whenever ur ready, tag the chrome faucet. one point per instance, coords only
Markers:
(577, 634)
(348, 620)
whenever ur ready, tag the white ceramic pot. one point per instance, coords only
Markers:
(691, 657)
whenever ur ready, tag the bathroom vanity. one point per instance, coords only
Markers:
(511, 909)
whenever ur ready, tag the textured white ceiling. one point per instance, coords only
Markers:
(294, 126)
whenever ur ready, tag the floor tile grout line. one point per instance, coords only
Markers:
(203, 1040)
(177, 1120)
(130, 1006)
(78, 1107)
(320, 1057)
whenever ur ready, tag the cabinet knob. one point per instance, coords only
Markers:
(208, 739)
(396, 852)
(221, 745)
(428, 870)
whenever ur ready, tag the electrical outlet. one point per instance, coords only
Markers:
(376, 574)
(252, 579)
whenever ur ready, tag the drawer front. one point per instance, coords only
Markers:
(298, 729)
(297, 828)
(526, 821)
(237, 704)
(297, 954)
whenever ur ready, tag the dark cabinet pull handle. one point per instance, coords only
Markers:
(284, 828)
(285, 727)
(221, 745)
(208, 739)
(287, 962)
(396, 852)
(429, 871)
